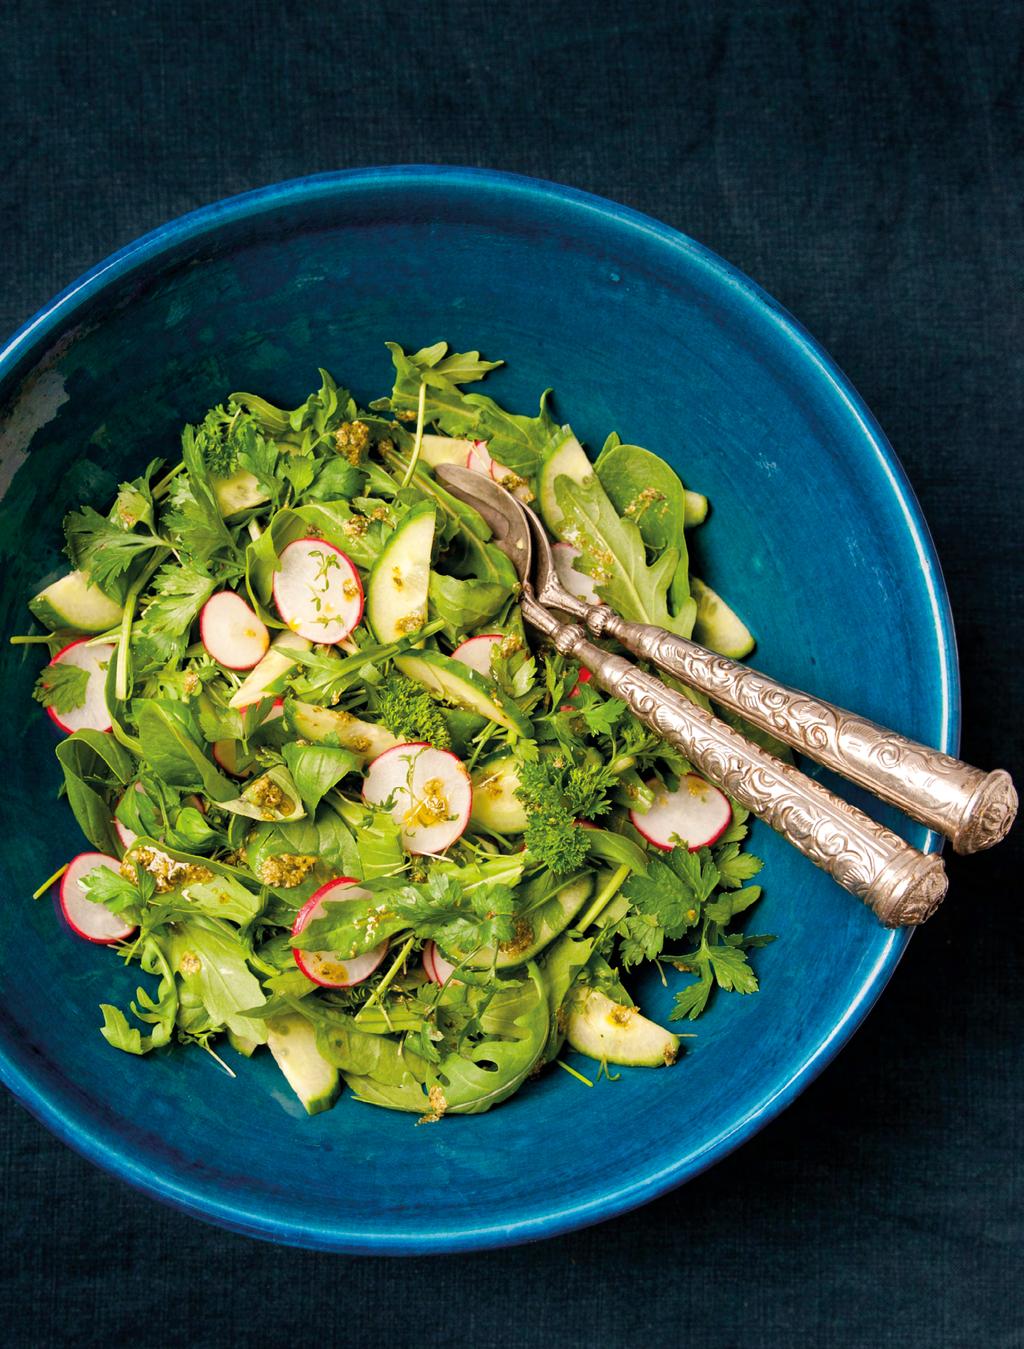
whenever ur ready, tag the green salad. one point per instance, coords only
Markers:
(340, 803)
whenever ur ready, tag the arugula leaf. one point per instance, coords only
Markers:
(520, 443)
(61, 687)
(464, 605)
(160, 1013)
(337, 478)
(213, 965)
(315, 769)
(224, 897)
(614, 552)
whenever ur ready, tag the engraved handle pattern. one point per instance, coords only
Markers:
(901, 885)
(972, 808)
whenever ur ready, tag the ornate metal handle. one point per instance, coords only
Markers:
(901, 885)
(972, 808)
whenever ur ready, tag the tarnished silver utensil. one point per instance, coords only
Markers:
(972, 808)
(901, 885)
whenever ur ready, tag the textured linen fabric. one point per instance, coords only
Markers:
(863, 162)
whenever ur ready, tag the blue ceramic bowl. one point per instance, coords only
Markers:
(815, 536)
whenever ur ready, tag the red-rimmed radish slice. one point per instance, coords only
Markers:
(328, 968)
(84, 916)
(476, 652)
(564, 555)
(277, 710)
(695, 814)
(317, 591)
(430, 793)
(438, 967)
(478, 460)
(233, 635)
(93, 714)
(232, 758)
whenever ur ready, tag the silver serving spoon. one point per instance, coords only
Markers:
(902, 885)
(972, 808)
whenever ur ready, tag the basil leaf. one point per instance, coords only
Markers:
(315, 769)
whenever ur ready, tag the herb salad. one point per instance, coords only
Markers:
(340, 805)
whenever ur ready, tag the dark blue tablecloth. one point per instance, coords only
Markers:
(864, 163)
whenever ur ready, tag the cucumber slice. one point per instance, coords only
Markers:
(396, 594)
(569, 460)
(267, 679)
(537, 929)
(436, 450)
(495, 804)
(608, 1030)
(243, 1044)
(73, 602)
(716, 626)
(458, 684)
(238, 491)
(695, 508)
(315, 1082)
(325, 726)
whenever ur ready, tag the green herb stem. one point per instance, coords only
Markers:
(418, 445)
(386, 982)
(51, 880)
(603, 898)
(131, 600)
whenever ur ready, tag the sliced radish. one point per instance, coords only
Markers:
(93, 714)
(478, 460)
(317, 591)
(695, 814)
(234, 636)
(438, 967)
(277, 710)
(84, 916)
(329, 969)
(564, 555)
(232, 758)
(476, 652)
(430, 793)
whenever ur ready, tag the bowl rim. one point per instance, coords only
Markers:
(32, 341)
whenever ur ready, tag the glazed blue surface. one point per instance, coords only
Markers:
(815, 537)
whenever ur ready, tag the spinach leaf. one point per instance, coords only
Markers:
(171, 741)
(93, 761)
(464, 605)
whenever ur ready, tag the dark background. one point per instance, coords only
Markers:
(863, 163)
